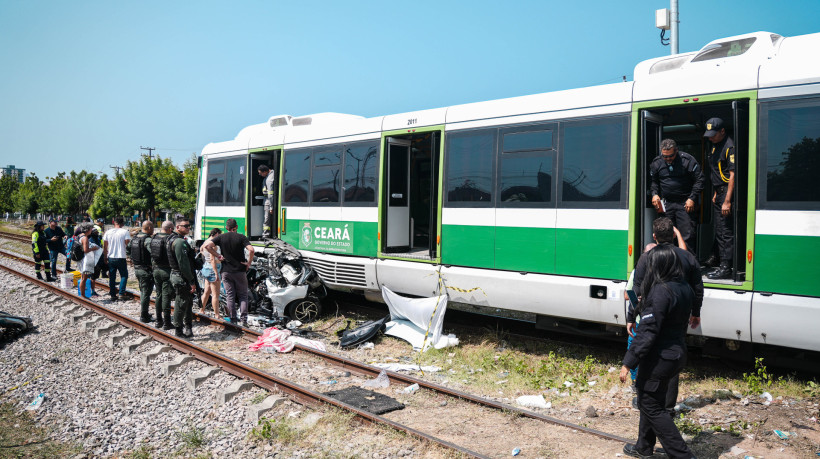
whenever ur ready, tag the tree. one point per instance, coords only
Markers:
(139, 183)
(8, 186)
(26, 197)
(83, 186)
(111, 198)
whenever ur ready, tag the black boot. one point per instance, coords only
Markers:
(179, 333)
(49, 278)
(188, 332)
(39, 275)
(710, 262)
(168, 324)
(159, 323)
(722, 272)
(146, 318)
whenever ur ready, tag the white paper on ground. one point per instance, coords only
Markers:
(533, 401)
(410, 317)
(406, 367)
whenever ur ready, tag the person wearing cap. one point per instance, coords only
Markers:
(267, 191)
(722, 163)
(55, 237)
(39, 248)
(676, 183)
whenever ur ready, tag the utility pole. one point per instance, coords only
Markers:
(116, 169)
(150, 151)
(673, 5)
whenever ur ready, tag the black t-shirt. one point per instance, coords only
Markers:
(722, 161)
(679, 181)
(232, 246)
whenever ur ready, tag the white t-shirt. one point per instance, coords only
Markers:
(116, 239)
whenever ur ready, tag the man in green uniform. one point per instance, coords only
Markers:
(139, 250)
(39, 248)
(183, 278)
(162, 275)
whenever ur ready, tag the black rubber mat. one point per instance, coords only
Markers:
(367, 400)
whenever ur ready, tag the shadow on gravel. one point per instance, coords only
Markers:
(10, 335)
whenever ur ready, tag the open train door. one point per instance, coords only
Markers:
(398, 196)
(256, 197)
(651, 136)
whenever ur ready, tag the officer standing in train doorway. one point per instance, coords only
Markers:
(722, 162)
(676, 184)
(267, 191)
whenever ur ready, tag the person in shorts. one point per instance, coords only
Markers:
(210, 273)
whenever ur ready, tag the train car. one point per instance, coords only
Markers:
(536, 207)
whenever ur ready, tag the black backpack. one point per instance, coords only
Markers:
(77, 253)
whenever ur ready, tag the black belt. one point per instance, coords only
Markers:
(720, 187)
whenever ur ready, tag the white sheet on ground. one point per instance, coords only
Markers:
(407, 367)
(410, 317)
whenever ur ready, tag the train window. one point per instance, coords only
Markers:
(235, 181)
(216, 182)
(327, 175)
(789, 148)
(725, 49)
(297, 177)
(469, 168)
(525, 179)
(593, 161)
(327, 158)
(361, 172)
(527, 141)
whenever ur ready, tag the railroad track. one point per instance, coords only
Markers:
(363, 369)
(262, 379)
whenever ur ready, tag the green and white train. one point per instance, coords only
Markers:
(536, 206)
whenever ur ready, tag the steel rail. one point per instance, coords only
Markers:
(239, 369)
(369, 370)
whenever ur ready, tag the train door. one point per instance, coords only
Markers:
(256, 205)
(410, 200)
(740, 119)
(398, 194)
(651, 136)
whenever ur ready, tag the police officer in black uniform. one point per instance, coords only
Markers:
(722, 163)
(676, 183)
(660, 349)
(139, 250)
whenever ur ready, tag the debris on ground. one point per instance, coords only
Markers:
(367, 400)
(533, 401)
(591, 412)
(407, 367)
(275, 340)
(418, 321)
(37, 402)
(362, 333)
(379, 382)
(411, 389)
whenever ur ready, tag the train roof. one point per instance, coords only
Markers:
(744, 62)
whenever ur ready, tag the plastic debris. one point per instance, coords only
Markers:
(568, 384)
(293, 324)
(592, 383)
(412, 388)
(516, 451)
(736, 451)
(35, 404)
(367, 345)
(782, 435)
(767, 396)
(611, 370)
(329, 382)
(533, 401)
(407, 367)
(379, 382)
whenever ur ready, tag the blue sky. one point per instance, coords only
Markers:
(84, 84)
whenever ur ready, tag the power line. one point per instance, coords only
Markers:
(150, 151)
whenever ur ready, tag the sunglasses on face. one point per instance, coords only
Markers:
(185, 226)
(671, 155)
